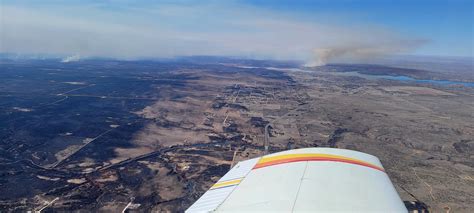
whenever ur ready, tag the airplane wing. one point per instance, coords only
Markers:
(304, 180)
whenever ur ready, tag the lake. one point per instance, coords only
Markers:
(409, 79)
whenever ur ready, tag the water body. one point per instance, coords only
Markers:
(426, 81)
(367, 76)
(409, 79)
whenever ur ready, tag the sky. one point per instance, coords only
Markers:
(313, 31)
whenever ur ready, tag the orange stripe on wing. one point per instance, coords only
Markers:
(289, 159)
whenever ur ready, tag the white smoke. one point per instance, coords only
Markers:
(71, 59)
(162, 31)
(353, 52)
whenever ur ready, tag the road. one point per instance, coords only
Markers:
(79, 149)
(267, 139)
(128, 205)
(48, 204)
(233, 101)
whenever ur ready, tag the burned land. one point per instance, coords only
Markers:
(103, 135)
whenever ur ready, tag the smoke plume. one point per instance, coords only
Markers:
(352, 52)
(71, 59)
(170, 30)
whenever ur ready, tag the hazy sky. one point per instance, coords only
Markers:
(275, 29)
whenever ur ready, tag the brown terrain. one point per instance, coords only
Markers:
(423, 134)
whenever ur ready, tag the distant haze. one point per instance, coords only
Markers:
(355, 51)
(212, 28)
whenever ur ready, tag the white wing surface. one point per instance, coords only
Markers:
(304, 180)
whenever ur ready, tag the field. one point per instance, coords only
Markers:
(155, 135)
